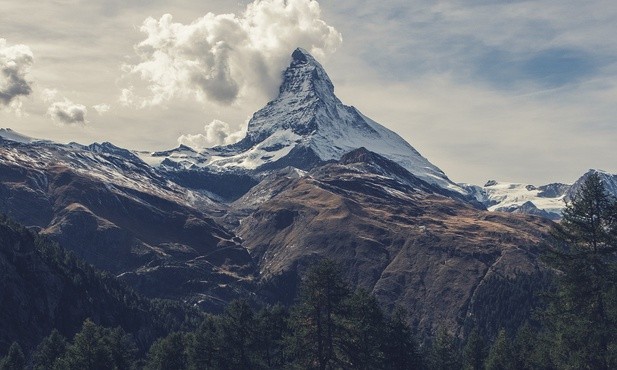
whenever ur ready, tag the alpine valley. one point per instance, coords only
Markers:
(313, 179)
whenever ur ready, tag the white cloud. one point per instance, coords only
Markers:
(68, 113)
(15, 63)
(101, 108)
(49, 95)
(219, 57)
(216, 133)
(127, 97)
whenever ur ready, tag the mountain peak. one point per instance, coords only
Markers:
(307, 124)
(12, 135)
(306, 76)
(301, 55)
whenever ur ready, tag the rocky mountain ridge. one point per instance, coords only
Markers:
(312, 179)
(546, 201)
(305, 125)
(124, 217)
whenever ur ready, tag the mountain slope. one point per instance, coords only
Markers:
(125, 217)
(304, 126)
(404, 241)
(546, 201)
(43, 287)
(609, 181)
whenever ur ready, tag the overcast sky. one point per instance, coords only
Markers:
(522, 91)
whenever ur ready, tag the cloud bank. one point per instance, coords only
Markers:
(15, 63)
(101, 108)
(68, 113)
(62, 110)
(216, 133)
(219, 57)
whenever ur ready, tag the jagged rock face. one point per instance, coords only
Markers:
(124, 217)
(545, 201)
(409, 245)
(608, 180)
(305, 126)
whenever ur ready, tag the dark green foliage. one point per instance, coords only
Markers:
(530, 349)
(501, 357)
(237, 333)
(239, 339)
(168, 353)
(88, 350)
(202, 346)
(316, 321)
(51, 348)
(507, 302)
(444, 353)
(582, 314)
(365, 331)
(14, 360)
(474, 351)
(271, 333)
(328, 328)
(95, 347)
(121, 347)
(72, 291)
(399, 346)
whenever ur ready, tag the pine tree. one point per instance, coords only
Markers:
(272, 329)
(121, 347)
(49, 351)
(444, 353)
(316, 320)
(582, 314)
(474, 351)
(364, 332)
(202, 346)
(400, 348)
(500, 357)
(88, 350)
(531, 349)
(15, 359)
(168, 353)
(237, 337)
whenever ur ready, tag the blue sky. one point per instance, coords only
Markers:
(511, 90)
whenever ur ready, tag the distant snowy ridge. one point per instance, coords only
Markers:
(521, 198)
(546, 201)
(9, 134)
(116, 167)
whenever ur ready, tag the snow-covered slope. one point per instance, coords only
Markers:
(547, 200)
(524, 198)
(116, 167)
(306, 124)
(9, 134)
(609, 181)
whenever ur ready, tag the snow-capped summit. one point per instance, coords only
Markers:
(306, 124)
(306, 76)
(305, 91)
(609, 181)
(547, 200)
(10, 134)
